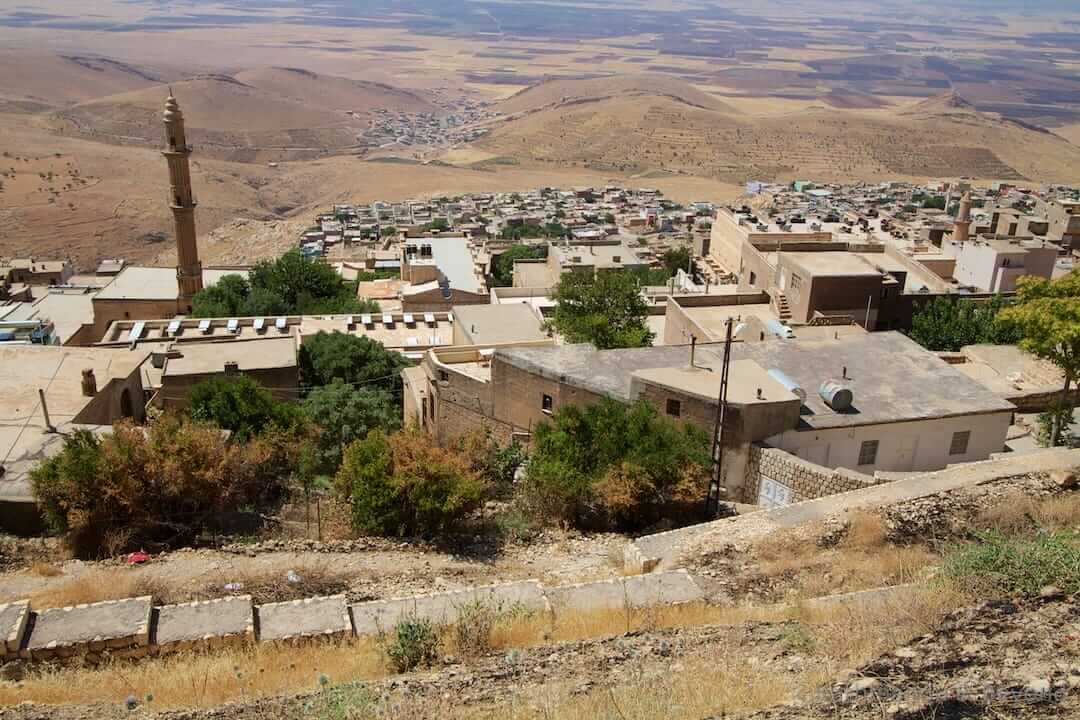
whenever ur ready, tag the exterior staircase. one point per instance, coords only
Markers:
(783, 310)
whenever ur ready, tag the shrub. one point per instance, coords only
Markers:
(1044, 432)
(614, 464)
(414, 643)
(1001, 564)
(404, 484)
(472, 632)
(155, 486)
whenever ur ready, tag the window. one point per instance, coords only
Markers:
(546, 403)
(959, 444)
(753, 277)
(868, 452)
(674, 407)
(796, 282)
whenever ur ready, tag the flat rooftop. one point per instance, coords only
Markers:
(832, 263)
(154, 283)
(893, 379)
(494, 324)
(453, 256)
(58, 371)
(747, 377)
(68, 311)
(211, 357)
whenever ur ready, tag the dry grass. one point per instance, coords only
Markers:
(863, 559)
(1021, 513)
(43, 569)
(203, 680)
(719, 679)
(103, 584)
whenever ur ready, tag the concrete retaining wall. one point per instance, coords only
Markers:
(652, 551)
(134, 628)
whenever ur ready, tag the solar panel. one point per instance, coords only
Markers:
(348, 322)
(429, 318)
(204, 326)
(281, 324)
(137, 330)
(234, 325)
(387, 319)
(173, 329)
(409, 320)
(259, 324)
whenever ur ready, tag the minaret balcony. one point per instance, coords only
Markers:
(177, 203)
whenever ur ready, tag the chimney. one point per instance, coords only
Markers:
(232, 368)
(89, 383)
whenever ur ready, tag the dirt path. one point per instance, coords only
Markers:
(366, 574)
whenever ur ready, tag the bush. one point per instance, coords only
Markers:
(414, 643)
(612, 464)
(1000, 564)
(403, 484)
(1044, 432)
(472, 632)
(156, 486)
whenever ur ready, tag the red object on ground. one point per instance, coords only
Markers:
(138, 558)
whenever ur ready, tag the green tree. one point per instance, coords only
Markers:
(678, 259)
(611, 464)
(1047, 316)
(503, 267)
(222, 299)
(605, 309)
(237, 404)
(936, 202)
(609, 219)
(404, 484)
(326, 357)
(440, 224)
(346, 414)
(945, 325)
(291, 285)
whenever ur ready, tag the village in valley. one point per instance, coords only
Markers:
(551, 452)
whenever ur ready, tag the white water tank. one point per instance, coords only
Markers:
(836, 395)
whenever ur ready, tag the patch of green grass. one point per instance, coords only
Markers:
(349, 701)
(1001, 564)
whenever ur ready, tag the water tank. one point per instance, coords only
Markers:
(787, 382)
(779, 329)
(836, 395)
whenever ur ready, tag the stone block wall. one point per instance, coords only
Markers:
(805, 480)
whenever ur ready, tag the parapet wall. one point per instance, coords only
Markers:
(134, 628)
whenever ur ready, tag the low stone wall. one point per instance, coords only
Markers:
(800, 479)
(133, 628)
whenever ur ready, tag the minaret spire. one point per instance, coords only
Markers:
(182, 202)
(962, 224)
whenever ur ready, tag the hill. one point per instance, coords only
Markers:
(654, 135)
(36, 80)
(561, 93)
(269, 114)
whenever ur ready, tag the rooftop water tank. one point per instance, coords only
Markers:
(787, 382)
(836, 395)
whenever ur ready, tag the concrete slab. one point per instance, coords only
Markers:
(307, 618)
(114, 625)
(13, 618)
(372, 618)
(211, 623)
(639, 591)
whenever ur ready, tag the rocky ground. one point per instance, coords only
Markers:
(1003, 659)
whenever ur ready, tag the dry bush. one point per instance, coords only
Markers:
(104, 584)
(866, 531)
(269, 585)
(1021, 513)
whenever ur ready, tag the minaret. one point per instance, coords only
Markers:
(188, 268)
(962, 224)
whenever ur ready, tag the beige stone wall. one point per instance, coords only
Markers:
(804, 479)
(283, 384)
(108, 311)
(108, 406)
(518, 396)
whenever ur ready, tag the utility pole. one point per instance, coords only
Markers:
(712, 499)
